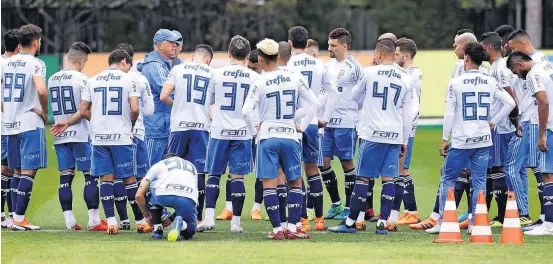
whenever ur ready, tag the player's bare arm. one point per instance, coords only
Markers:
(165, 95)
(135, 109)
(141, 197)
(60, 127)
(42, 92)
(543, 113)
(86, 109)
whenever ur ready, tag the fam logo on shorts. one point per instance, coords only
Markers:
(81, 159)
(201, 161)
(243, 164)
(124, 165)
(296, 167)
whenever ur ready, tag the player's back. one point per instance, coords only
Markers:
(473, 94)
(230, 89)
(65, 89)
(20, 94)
(312, 70)
(505, 78)
(346, 74)
(144, 90)
(174, 176)
(110, 92)
(387, 88)
(540, 78)
(459, 68)
(191, 109)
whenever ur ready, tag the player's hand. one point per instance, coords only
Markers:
(166, 222)
(298, 129)
(542, 144)
(58, 128)
(322, 123)
(403, 150)
(519, 130)
(149, 220)
(42, 114)
(492, 125)
(443, 148)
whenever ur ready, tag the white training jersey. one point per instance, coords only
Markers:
(65, 89)
(528, 104)
(460, 68)
(415, 75)
(174, 176)
(504, 77)
(191, 109)
(146, 103)
(110, 92)
(385, 91)
(346, 74)
(275, 95)
(5, 61)
(470, 95)
(20, 94)
(540, 79)
(230, 89)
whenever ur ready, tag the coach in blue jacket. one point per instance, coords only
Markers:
(155, 68)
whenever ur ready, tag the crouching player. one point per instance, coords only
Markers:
(174, 184)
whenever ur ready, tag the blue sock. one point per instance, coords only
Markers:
(107, 197)
(271, 205)
(120, 199)
(282, 192)
(91, 192)
(24, 193)
(64, 192)
(370, 197)
(316, 194)
(295, 200)
(358, 198)
(386, 199)
(228, 190)
(201, 195)
(548, 207)
(258, 191)
(132, 188)
(212, 191)
(349, 182)
(9, 197)
(409, 196)
(500, 192)
(13, 190)
(5, 190)
(238, 193)
(437, 203)
(460, 186)
(398, 194)
(304, 203)
(331, 183)
(539, 180)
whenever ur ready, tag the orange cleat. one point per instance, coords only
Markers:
(465, 224)
(143, 228)
(305, 227)
(392, 227)
(360, 226)
(225, 215)
(113, 230)
(102, 226)
(405, 214)
(409, 219)
(320, 224)
(76, 227)
(256, 215)
(24, 225)
(426, 224)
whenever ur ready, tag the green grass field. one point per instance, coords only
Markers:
(55, 245)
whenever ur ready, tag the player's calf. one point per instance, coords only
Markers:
(66, 197)
(238, 194)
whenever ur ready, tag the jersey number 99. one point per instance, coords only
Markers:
(14, 82)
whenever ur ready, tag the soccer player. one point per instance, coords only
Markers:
(519, 40)
(155, 68)
(71, 137)
(539, 81)
(312, 48)
(231, 142)
(25, 105)
(319, 82)
(253, 62)
(467, 121)
(111, 97)
(11, 44)
(275, 95)
(190, 111)
(389, 109)
(284, 54)
(172, 182)
(340, 137)
(405, 53)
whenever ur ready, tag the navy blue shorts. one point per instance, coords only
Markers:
(27, 150)
(236, 154)
(274, 153)
(141, 162)
(190, 145)
(118, 160)
(376, 159)
(184, 207)
(339, 142)
(73, 155)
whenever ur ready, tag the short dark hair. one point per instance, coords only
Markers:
(11, 40)
(341, 34)
(519, 33)
(78, 51)
(312, 43)
(491, 38)
(407, 45)
(28, 33)
(284, 50)
(298, 35)
(126, 47)
(463, 31)
(504, 30)
(80, 46)
(168, 156)
(476, 53)
(118, 55)
(253, 56)
(205, 48)
(517, 56)
(239, 47)
(386, 46)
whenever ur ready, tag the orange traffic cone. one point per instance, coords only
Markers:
(511, 233)
(449, 229)
(481, 230)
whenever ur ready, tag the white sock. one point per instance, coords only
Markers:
(256, 206)
(156, 227)
(435, 216)
(542, 217)
(381, 221)
(141, 222)
(18, 218)
(277, 229)
(228, 205)
(413, 212)
(361, 217)
(125, 221)
(292, 228)
(112, 221)
(235, 220)
(184, 225)
(3, 214)
(337, 203)
(210, 214)
(349, 221)
(93, 217)
(284, 225)
(69, 218)
(406, 212)
(470, 216)
(393, 216)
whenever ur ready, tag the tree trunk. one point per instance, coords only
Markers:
(534, 21)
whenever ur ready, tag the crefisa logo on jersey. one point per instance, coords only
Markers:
(390, 73)
(284, 130)
(475, 81)
(279, 79)
(385, 134)
(185, 124)
(179, 187)
(237, 74)
(17, 63)
(479, 139)
(66, 134)
(109, 76)
(305, 62)
(107, 137)
(234, 132)
(62, 76)
(195, 67)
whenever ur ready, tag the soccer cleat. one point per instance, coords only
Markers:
(334, 210)
(112, 230)
(24, 225)
(305, 227)
(542, 230)
(125, 226)
(158, 234)
(267, 218)
(102, 226)
(434, 230)
(278, 236)
(392, 227)
(409, 219)
(496, 222)
(174, 234)
(342, 228)
(463, 217)
(343, 215)
(525, 220)
(538, 222)
(225, 215)
(310, 214)
(405, 214)
(424, 225)
(205, 225)
(256, 214)
(381, 229)
(6, 222)
(143, 228)
(465, 224)
(297, 235)
(369, 214)
(375, 218)
(75, 227)
(320, 224)
(361, 226)
(236, 228)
